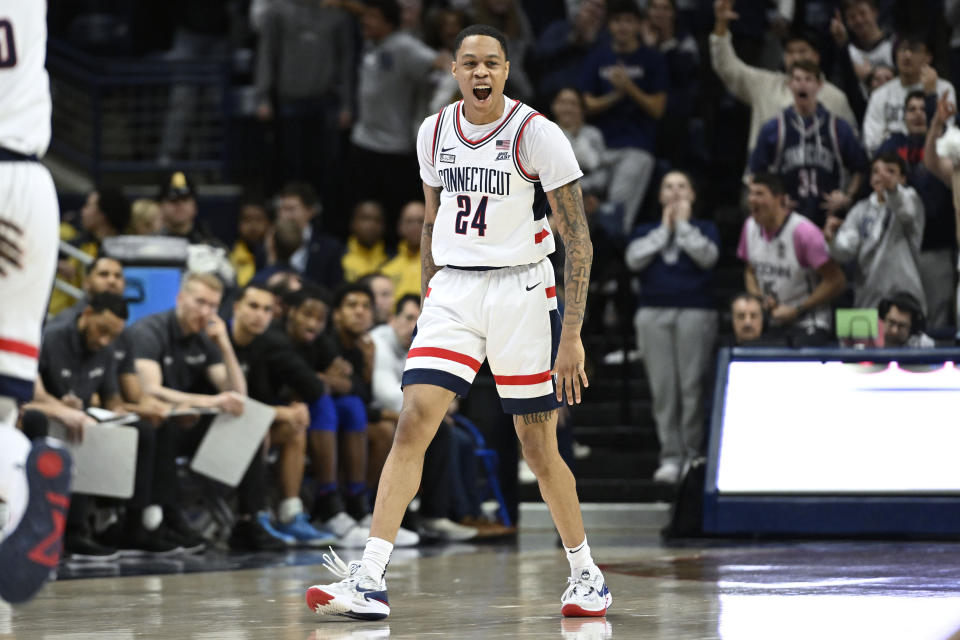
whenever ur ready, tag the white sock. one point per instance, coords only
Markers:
(151, 517)
(14, 449)
(289, 509)
(376, 556)
(579, 556)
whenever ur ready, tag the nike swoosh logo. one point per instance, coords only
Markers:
(448, 149)
(533, 286)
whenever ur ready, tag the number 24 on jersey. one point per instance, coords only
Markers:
(464, 223)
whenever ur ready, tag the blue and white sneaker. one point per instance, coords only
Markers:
(263, 518)
(358, 595)
(587, 595)
(304, 533)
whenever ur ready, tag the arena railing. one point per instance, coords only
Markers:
(129, 115)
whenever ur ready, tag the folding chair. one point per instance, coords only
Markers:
(490, 462)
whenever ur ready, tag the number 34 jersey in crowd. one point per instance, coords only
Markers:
(493, 177)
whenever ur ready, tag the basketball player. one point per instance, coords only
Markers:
(488, 292)
(34, 482)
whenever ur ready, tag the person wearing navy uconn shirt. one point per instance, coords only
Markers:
(625, 88)
(816, 154)
(677, 320)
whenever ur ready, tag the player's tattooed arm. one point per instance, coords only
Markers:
(431, 198)
(567, 205)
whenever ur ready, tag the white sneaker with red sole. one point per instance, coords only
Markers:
(587, 595)
(358, 595)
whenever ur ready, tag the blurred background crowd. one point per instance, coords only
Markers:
(750, 167)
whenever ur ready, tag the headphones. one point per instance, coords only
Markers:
(904, 302)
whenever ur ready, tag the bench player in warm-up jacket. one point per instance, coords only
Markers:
(34, 481)
(489, 166)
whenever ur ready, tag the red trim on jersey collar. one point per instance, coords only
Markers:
(476, 143)
(19, 348)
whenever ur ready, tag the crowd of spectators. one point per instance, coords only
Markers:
(814, 123)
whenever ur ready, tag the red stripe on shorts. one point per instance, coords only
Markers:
(540, 235)
(535, 378)
(551, 292)
(20, 348)
(446, 354)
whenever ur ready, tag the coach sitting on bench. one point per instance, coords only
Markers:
(179, 355)
(78, 369)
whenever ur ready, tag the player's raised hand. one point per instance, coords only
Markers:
(11, 255)
(569, 369)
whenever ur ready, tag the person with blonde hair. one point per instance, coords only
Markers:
(145, 217)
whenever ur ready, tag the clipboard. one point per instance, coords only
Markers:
(103, 415)
(105, 462)
(231, 442)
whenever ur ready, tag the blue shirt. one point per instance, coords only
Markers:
(679, 282)
(625, 124)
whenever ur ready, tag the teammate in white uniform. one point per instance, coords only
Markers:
(34, 482)
(488, 164)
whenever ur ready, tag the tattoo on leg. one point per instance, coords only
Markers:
(539, 416)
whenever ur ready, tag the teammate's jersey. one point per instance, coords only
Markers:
(493, 177)
(24, 86)
(785, 264)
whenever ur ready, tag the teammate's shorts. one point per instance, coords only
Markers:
(29, 200)
(343, 413)
(508, 315)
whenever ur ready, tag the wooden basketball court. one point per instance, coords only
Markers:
(901, 591)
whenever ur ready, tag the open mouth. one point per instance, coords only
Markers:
(802, 95)
(482, 92)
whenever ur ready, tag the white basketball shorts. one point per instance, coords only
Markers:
(27, 199)
(508, 315)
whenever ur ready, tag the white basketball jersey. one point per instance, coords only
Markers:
(779, 272)
(492, 208)
(24, 86)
